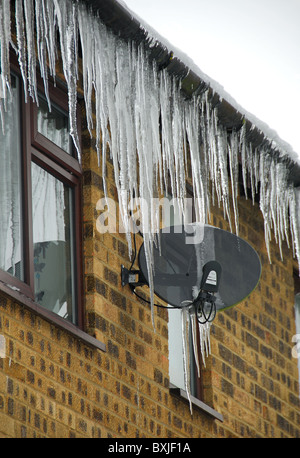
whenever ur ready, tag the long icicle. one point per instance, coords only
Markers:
(185, 323)
(193, 318)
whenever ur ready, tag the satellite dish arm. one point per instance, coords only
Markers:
(132, 277)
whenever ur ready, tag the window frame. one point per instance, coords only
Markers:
(66, 168)
(198, 397)
(297, 316)
(196, 382)
(42, 143)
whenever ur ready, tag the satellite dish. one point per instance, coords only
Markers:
(199, 269)
(198, 262)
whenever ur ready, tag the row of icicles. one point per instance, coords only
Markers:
(152, 131)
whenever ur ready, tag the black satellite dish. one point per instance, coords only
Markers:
(200, 264)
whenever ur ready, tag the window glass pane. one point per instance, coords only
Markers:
(297, 342)
(11, 251)
(54, 125)
(176, 359)
(172, 217)
(176, 367)
(52, 204)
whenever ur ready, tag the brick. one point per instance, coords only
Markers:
(225, 354)
(251, 341)
(227, 387)
(53, 385)
(7, 426)
(260, 393)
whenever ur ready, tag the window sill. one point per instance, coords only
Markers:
(63, 324)
(174, 390)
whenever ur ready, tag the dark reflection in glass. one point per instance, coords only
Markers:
(53, 243)
(54, 125)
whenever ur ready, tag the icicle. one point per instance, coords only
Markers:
(244, 156)
(178, 135)
(185, 322)
(251, 169)
(20, 28)
(31, 57)
(272, 199)
(204, 335)
(49, 29)
(87, 45)
(294, 207)
(282, 203)
(256, 169)
(222, 161)
(264, 198)
(212, 152)
(67, 14)
(42, 47)
(166, 123)
(233, 166)
(5, 40)
(192, 125)
(2, 117)
(194, 320)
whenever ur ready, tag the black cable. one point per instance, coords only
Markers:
(148, 302)
(132, 287)
(206, 319)
(134, 244)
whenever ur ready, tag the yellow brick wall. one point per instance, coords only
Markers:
(54, 385)
(255, 375)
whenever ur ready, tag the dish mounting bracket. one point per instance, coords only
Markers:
(132, 277)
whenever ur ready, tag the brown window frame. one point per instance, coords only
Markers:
(66, 168)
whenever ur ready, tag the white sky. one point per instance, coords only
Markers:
(250, 47)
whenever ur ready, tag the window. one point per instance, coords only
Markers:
(54, 125)
(172, 217)
(11, 228)
(200, 392)
(53, 244)
(176, 368)
(296, 338)
(40, 203)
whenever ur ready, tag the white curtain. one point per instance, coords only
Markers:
(48, 205)
(54, 125)
(10, 185)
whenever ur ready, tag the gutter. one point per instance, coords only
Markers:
(125, 25)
